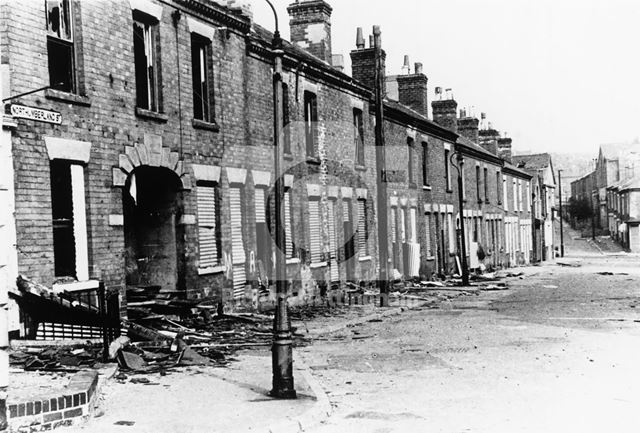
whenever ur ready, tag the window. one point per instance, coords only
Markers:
(207, 201)
(413, 225)
(505, 194)
(315, 240)
(68, 208)
(60, 48)
(358, 128)
(286, 119)
(462, 179)
(288, 224)
(486, 185)
(447, 174)
(363, 229)
(478, 184)
(515, 195)
(410, 162)
(202, 74)
(311, 123)
(498, 184)
(145, 50)
(427, 235)
(425, 164)
(452, 234)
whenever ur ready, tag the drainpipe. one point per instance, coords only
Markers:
(463, 240)
(383, 246)
(281, 350)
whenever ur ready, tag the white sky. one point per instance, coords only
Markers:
(556, 75)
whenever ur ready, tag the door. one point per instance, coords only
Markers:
(349, 245)
(238, 257)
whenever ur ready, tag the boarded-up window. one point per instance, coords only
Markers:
(413, 223)
(394, 224)
(145, 30)
(427, 235)
(403, 225)
(452, 233)
(208, 223)
(363, 229)
(333, 243)
(68, 208)
(315, 244)
(288, 224)
(60, 49)
(237, 242)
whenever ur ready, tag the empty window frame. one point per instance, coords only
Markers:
(363, 229)
(146, 53)
(358, 130)
(60, 47)
(207, 202)
(202, 75)
(311, 123)
(68, 208)
(425, 164)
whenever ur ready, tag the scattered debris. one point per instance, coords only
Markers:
(568, 264)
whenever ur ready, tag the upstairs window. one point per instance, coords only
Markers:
(478, 183)
(60, 48)
(358, 129)
(410, 162)
(145, 49)
(425, 164)
(447, 174)
(286, 119)
(311, 123)
(486, 185)
(498, 184)
(202, 73)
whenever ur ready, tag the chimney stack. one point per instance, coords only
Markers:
(445, 111)
(488, 139)
(468, 126)
(412, 89)
(504, 149)
(310, 24)
(363, 61)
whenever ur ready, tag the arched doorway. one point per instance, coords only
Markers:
(152, 202)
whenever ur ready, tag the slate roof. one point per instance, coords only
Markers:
(538, 161)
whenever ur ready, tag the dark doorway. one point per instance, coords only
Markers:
(152, 207)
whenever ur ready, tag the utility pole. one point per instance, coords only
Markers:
(560, 196)
(534, 240)
(281, 350)
(593, 220)
(383, 246)
(4, 297)
(463, 239)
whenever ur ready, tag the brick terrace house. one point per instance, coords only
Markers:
(148, 160)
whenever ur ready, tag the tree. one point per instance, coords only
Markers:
(580, 208)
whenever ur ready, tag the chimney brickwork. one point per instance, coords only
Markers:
(445, 113)
(488, 139)
(468, 128)
(363, 63)
(310, 25)
(412, 91)
(504, 149)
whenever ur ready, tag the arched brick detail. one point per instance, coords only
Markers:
(149, 153)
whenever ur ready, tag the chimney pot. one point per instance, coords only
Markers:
(418, 68)
(359, 39)
(370, 41)
(406, 69)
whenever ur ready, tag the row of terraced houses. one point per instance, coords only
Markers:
(147, 159)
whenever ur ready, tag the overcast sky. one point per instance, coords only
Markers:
(556, 75)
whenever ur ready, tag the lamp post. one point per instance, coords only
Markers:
(560, 196)
(281, 350)
(463, 241)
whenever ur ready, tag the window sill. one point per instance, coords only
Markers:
(426, 187)
(413, 185)
(359, 167)
(293, 261)
(203, 124)
(313, 160)
(449, 191)
(364, 259)
(430, 258)
(71, 98)
(151, 115)
(75, 286)
(318, 265)
(211, 271)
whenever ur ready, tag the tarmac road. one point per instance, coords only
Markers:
(558, 352)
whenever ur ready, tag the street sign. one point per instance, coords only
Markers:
(37, 114)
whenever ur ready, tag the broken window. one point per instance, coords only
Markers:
(145, 33)
(363, 229)
(60, 48)
(68, 208)
(208, 224)
(311, 123)
(202, 72)
(358, 128)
